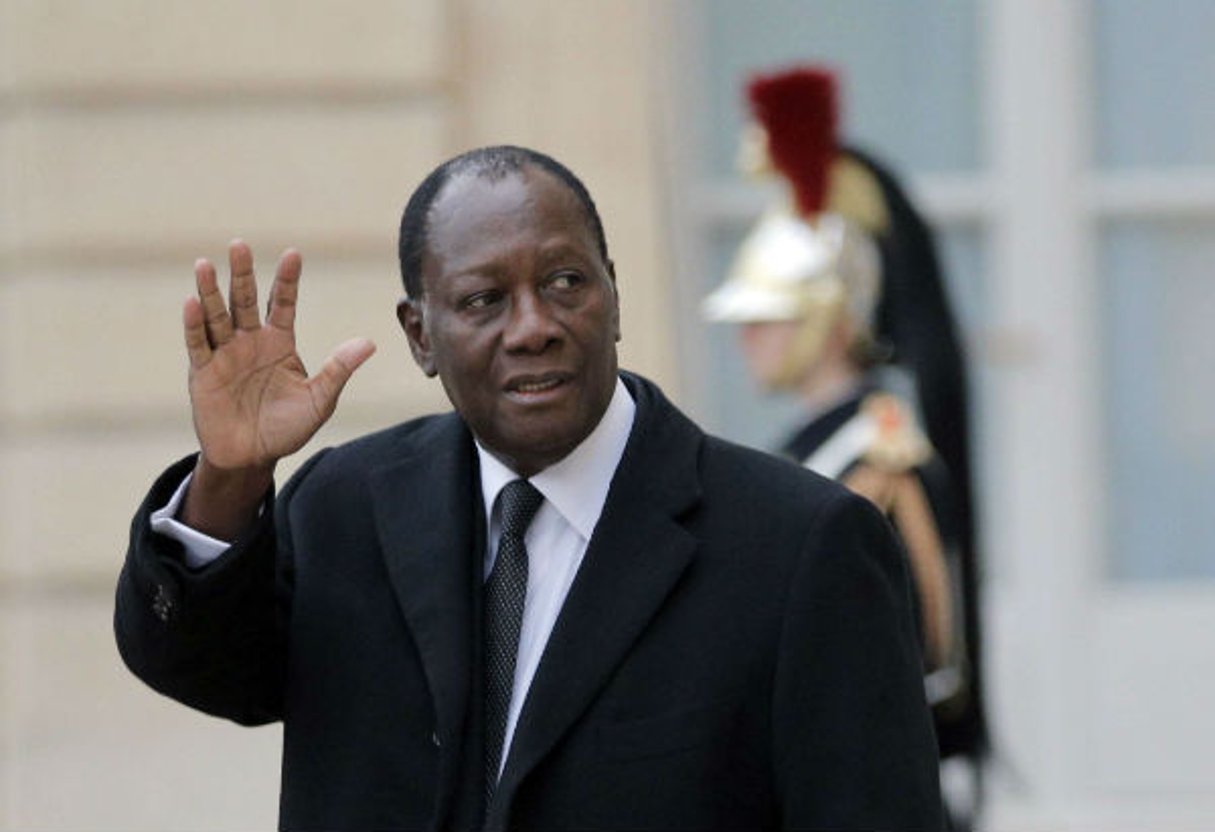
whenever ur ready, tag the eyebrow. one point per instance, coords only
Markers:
(553, 249)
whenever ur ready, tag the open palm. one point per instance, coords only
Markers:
(253, 401)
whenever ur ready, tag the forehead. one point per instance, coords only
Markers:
(477, 217)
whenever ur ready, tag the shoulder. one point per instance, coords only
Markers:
(755, 486)
(811, 537)
(723, 460)
(895, 441)
(735, 484)
(421, 437)
(416, 435)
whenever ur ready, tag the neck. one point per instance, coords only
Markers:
(828, 385)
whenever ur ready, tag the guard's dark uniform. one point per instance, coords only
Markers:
(843, 274)
(871, 443)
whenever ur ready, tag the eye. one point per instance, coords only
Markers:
(480, 300)
(566, 280)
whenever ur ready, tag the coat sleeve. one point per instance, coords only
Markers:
(213, 638)
(853, 739)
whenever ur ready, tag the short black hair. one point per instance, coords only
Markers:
(493, 163)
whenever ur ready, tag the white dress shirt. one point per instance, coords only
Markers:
(198, 549)
(574, 490)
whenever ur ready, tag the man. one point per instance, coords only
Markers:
(840, 302)
(687, 635)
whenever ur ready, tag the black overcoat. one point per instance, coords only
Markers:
(737, 650)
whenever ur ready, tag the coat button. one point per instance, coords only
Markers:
(162, 605)
(434, 739)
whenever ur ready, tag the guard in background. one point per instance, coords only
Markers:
(840, 300)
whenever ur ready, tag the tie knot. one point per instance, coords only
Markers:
(520, 501)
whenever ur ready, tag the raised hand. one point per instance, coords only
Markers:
(253, 401)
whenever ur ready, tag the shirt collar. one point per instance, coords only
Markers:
(577, 485)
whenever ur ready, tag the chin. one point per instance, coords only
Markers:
(770, 382)
(530, 452)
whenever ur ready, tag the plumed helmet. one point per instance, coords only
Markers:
(811, 256)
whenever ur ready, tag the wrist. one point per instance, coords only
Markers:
(224, 502)
(243, 478)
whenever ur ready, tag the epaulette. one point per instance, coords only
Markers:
(897, 444)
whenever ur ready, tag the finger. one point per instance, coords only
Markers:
(327, 384)
(197, 348)
(281, 309)
(215, 311)
(242, 294)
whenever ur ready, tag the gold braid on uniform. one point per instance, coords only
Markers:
(886, 476)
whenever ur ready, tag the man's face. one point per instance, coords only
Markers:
(767, 346)
(791, 355)
(519, 315)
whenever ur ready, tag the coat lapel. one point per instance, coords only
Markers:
(636, 556)
(424, 505)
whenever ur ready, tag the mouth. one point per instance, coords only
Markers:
(536, 387)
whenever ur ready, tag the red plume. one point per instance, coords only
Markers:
(798, 110)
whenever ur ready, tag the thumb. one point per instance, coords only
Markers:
(327, 384)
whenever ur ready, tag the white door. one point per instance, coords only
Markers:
(1066, 153)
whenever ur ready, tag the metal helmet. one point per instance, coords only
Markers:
(810, 258)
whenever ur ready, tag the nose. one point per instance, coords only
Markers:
(749, 333)
(531, 327)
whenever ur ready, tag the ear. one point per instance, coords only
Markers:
(410, 315)
(844, 329)
(611, 272)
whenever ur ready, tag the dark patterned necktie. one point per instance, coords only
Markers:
(505, 591)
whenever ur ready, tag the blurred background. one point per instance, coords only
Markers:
(1064, 152)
